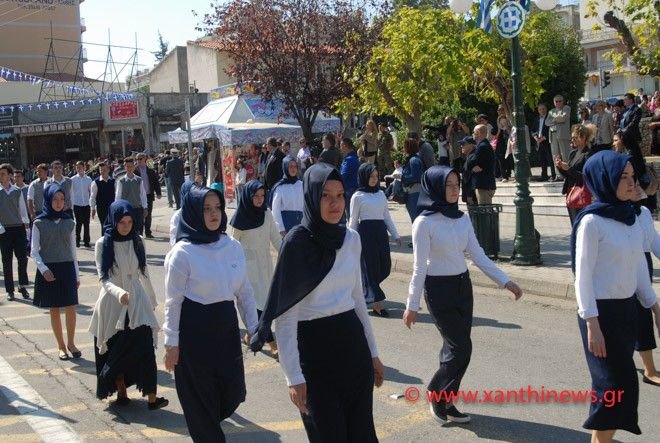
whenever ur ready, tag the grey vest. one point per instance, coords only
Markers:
(66, 187)
(38, 201)
(130, 191)
(10, 215)
(55, 240)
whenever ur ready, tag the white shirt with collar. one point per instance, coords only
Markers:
(119, 190)
(80, 189)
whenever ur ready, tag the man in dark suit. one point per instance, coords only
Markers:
(151, 187)
(483, 173)
(541, 135)
(629, 129)
(274, 170)
(468, 151)
(174, 172)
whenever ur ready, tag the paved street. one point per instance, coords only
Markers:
(534, 342)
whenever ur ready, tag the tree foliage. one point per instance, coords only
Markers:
(419, 3)
(637, 22)
(295, 50)
(163, 48)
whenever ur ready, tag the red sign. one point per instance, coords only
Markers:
(124, 110)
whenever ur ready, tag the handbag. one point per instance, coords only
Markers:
(578, 197)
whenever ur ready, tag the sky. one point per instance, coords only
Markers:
(124, 18)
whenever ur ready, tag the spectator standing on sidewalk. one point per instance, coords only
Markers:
(442, 235)
(123, 323)
(168, 185)
(330, 154)
(202, 338)
(349, 169)
(559, 120)
(58, 277)
(13, 241)
(102, 194)
(370, 217)
(385, 149)
(572, 170)
(174, 171)
(483, 172)
(151, 188)
(607, 242)
(80, 187)
(411, 175)
(130, 188)
(541, 135)
(369, 141)
(273, 164)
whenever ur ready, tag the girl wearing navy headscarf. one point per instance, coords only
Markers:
(123, 323)
(53, 250)
(253, 226)
(370, 217)
(327, 347)
(287, 197)
(607, 252)
(174, 221)
(204, 273)
(442, 235)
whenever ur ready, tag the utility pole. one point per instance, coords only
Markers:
(190, 150)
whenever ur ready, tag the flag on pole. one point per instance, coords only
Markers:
(525, 4)
(484, 15)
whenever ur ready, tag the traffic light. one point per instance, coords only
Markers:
(606, 78)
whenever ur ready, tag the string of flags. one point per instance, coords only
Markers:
(97, 97)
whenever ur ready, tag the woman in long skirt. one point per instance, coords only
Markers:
(123, 323)
(607, 250)
(442, 235)
(204, 273)
(253, 226)
(370, 217)
(287, 197)
(56, 284)
(327, 347)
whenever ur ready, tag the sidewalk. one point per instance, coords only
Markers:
(553, 278)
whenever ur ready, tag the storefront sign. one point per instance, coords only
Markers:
(48, 127)
(124, 110)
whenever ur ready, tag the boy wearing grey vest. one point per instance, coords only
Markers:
(130, 188)
(35, 197)
(14, 218)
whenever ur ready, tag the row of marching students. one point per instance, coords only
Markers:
(325, 304)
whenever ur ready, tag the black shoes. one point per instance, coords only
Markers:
(647, 380)
(438, 412)
(149, 235)
(160, 402)
(442, 414)
(24, 292)
(121, 401)
(76, 353)
(10, 296)
(454, 415)
(383, 313)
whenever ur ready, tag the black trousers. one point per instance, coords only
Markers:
(176, 190)
(14, 242)
(82, 215)
(572, 213)
(450, 302)
(147, 220)
(545, 156)
(102, 214)
(506, 165)
(138, 219)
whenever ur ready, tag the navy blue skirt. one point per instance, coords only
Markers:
(615, 373)
(59, 293)
(291, 219)
(646, 331)
(376, 260)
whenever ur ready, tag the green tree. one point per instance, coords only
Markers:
(415, 65)
(637, 22)
(163, 48)
(398, 4)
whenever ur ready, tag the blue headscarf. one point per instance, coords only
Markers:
(191, 224)
(433, 195)
(247, 216)
(185, 188)
(118, 210)
(311, 246)
(364, 173)
(48, 211)
(602, 173)
(285, 180)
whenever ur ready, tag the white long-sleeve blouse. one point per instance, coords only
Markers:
(371, 206)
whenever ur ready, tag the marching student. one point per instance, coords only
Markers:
(58, 277)
(80, 188)
(15, 221)
(606, 250)
(130, 188)
(326, 343)
(123, 323)
(253, 226)
(370, 217)
(35, 194)
(442, 235)
(287, 197)
(102, 194)
(202, 338)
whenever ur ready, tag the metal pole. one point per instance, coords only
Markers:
(190, 153)
(526, 247)
(123, 143)
(600, 81)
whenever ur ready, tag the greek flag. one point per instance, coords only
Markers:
(525, 4)
(484, 15)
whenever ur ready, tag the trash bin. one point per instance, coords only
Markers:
(486, 222)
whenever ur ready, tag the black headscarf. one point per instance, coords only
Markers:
(364, 173)
(285, 180)
(191, 224)
(247, 216)
(48, 211)
(118, 210)
(602, 173)
(433, 195)
(311, 246)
